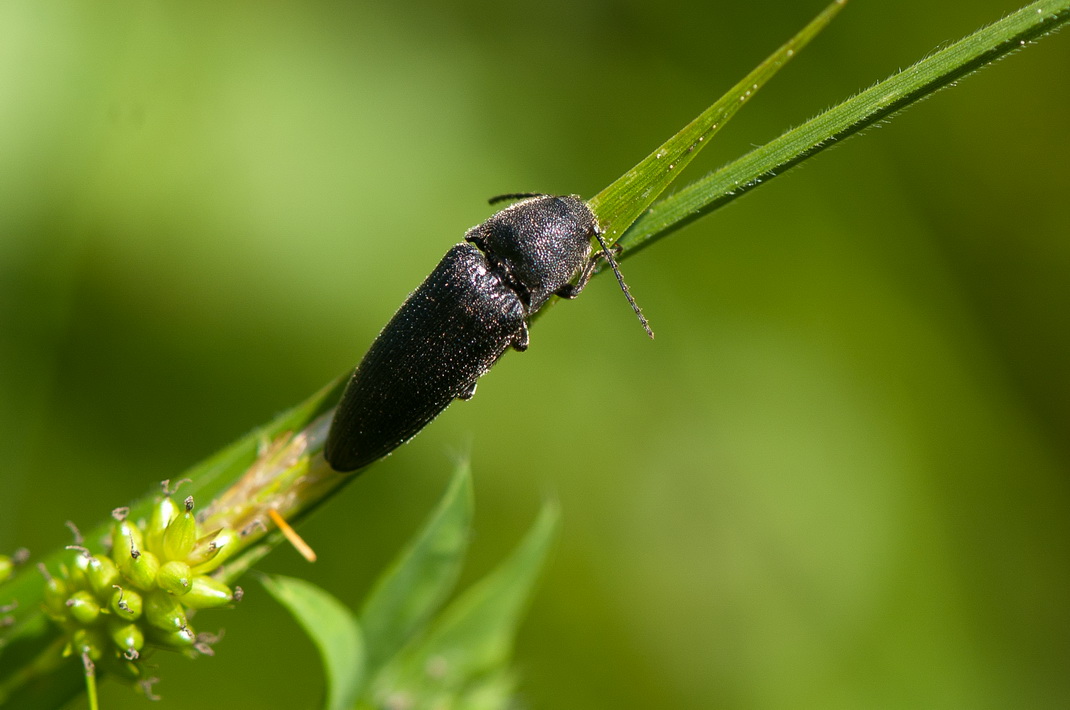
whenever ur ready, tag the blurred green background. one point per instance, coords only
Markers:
(839, 476)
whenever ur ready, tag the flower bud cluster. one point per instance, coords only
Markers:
(114, 606)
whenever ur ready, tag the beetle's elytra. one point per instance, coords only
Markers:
(454, 327)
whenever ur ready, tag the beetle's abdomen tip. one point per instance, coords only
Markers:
(341, 461)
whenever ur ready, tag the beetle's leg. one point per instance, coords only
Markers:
(468, 392)
(573, 290)
(520, 340)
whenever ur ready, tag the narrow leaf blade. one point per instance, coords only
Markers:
(422, 575)
(333, 630)
(630, 195)
(471, 643)
(939, 70)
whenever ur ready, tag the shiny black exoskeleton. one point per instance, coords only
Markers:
(460, 320)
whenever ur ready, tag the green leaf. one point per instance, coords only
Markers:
(630, 195)
(332, 628)
(422, 575)
(467, 650)
(874, 105)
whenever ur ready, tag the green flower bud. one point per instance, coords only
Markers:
(125, 541)
(75, 572)
(207, 593)
(211, 550)
(164, 611)
(102, 574)
(178, 639)
(126, 604)
(127, 636)
(55, 596)
(89, 641)
(174, 577)
(163, 513)
(7, 568)
(83, 607)
(181, 534)
(141, 570)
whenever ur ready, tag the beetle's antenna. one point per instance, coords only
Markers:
(623, 286)
(515, 196)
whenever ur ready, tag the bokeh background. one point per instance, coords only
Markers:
(839, 476)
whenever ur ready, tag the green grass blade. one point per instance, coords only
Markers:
(941, 69)
(333, 630)
(416, 583)
(630, 195)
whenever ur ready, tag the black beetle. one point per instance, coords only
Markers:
(454, 327)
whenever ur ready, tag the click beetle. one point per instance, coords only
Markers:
(461, 319)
